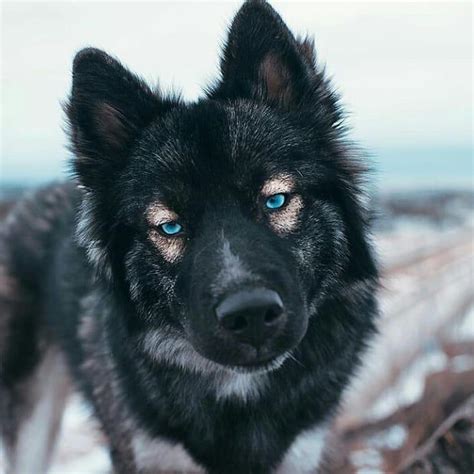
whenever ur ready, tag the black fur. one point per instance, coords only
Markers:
(100, 287)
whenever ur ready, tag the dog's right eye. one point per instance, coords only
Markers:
(276, 201)
(171, 228)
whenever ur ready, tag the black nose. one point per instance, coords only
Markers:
(252, 316)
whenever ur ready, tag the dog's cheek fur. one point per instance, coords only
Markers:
(151, 281)
(320, 247)
(171, 248)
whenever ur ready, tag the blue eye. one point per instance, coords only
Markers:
(171, 228)
(276, 201)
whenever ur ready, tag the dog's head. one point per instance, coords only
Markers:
(225, 222)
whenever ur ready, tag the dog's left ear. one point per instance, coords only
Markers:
(108, 108)
(263, 61)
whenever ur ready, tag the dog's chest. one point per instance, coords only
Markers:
(154, 455)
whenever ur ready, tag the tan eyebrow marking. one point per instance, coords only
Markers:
(158, 214)
(281, 183)
(171, 248)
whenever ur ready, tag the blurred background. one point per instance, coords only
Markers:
(404, 70)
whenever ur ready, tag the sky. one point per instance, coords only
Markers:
(404, 70)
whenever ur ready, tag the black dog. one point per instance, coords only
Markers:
(207, 277)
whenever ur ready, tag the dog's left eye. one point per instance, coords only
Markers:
(275, 201)
(171, 228)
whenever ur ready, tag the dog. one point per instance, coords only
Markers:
(206, 278)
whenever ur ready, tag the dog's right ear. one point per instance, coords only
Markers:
(108, 107)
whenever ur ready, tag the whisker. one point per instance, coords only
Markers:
(292, 357)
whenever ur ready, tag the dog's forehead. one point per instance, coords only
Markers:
(211, 140)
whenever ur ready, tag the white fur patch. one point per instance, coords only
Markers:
(246, 385)
(165, 345)
(242, 386)
(304, 455)
(232, 271)
(159, 455)
(37, 435)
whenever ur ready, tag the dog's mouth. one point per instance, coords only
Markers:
(267, 365)
(167, 346)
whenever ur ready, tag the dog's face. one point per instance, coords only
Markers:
(225, 222)
(222, 215)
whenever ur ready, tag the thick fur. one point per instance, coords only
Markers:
(85, 271)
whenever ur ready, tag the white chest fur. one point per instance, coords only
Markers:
(304, 455)
(159, 455)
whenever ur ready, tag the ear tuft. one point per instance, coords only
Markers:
(308, 51)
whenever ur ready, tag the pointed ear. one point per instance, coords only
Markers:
(108, 108)
(263, 61)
